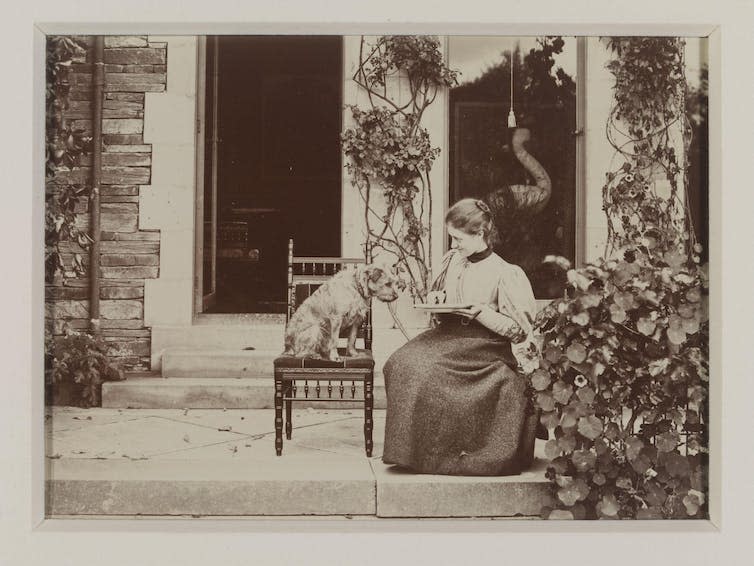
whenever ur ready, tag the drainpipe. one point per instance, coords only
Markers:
(98, 83)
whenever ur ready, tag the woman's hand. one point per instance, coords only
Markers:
(470, 313)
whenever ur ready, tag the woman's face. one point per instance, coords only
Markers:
(465, 243)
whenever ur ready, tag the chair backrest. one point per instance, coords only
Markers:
(306, 274)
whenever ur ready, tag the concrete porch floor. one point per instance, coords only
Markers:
(215, 462)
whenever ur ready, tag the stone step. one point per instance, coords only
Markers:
(282, 486)
(218, 363)
(213, 393)
(405, 494)
(209, 336)
(167, 462)
(327, 485)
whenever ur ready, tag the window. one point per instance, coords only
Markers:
(490, 161)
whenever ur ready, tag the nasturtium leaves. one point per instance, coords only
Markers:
(601, 447)
(690, 325)
(622, 482)
(597, 369)
(562, 392)
(575, 490)
(568, 418)
(617, 314)
(578, 280)
(633, 447)
(582, 318)
(553, 354)
(624, 300)
(545, 401)
(694, 295)
(676, 465)
(649, 513)
(628, 339)
(687, 310)
(608, 506)
(692, 504)
(590, 300)
(552, 449)
(667, 442)
(658, 366)
(567, 443)
(560, 514)
(646, 326)
(586, 394)
(676, 337)
(576, 352)
(540, 379)
(590, 426)
(549, 419)
(584, 460)
(675, 259)
(655, 494)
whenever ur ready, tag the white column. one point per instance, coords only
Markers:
(600, 155)
(168, 203)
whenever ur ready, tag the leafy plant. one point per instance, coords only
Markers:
(388, 146)
(60, 226)
(623, 383)
(624, 375)
(647, 120)
(64, 146)
(80, 360)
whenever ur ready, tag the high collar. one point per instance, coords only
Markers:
(479, 256)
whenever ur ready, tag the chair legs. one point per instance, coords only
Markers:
(288, 412)
(283, 389)
(368, 421)
(278, 416)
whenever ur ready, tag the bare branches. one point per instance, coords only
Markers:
(389, 146)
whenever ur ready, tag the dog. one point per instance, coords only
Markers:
(339, 303)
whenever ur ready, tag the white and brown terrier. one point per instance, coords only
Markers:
(339, 303)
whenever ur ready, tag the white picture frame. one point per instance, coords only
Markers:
(26, 538)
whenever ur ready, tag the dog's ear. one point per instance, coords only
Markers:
(369, 273)
(362, 275)
(375, 272)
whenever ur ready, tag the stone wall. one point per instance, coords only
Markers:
(129, 256)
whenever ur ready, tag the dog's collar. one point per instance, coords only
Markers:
(359, 286)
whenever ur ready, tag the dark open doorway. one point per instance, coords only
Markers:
(278, 162)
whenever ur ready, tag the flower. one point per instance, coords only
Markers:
(580, 381)
(629, 178)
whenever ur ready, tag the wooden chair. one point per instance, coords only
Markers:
(312, 380)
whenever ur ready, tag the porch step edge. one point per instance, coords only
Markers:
(217, 363)
(332, 486)
(211, 393)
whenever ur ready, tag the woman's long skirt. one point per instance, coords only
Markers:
(455, 405)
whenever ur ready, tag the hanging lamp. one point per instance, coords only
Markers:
(512, 114)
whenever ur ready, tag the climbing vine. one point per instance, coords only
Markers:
(389, 152)
(648, 125)
(624, 378)
(64, 146)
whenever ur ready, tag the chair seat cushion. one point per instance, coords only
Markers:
(363, 361)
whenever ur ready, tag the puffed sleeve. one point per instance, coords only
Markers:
(516, 306)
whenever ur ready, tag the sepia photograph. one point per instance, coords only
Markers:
(373, 277)
(380, 284)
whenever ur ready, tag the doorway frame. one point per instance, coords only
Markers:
(202, 301)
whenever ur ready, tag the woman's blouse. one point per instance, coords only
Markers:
(494, 282)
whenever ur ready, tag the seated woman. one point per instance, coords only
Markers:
(455, 403)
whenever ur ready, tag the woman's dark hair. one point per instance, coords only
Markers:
(472, 216)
